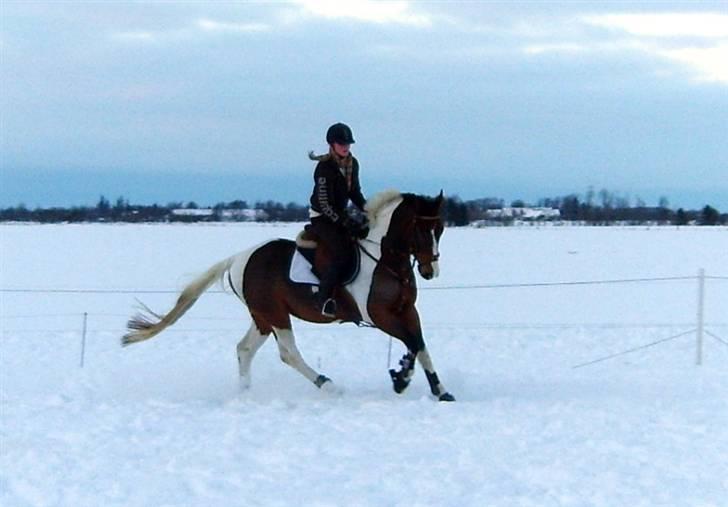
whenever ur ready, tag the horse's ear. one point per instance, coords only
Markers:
(440, 198)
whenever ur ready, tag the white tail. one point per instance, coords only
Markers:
(142, 327)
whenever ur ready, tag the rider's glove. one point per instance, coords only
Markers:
(356, 229)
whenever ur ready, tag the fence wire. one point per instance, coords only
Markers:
(560, 284)
(635, 349)
(717, 338)
(425, 288)
(120, 291)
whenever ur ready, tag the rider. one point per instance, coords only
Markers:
(336, 181)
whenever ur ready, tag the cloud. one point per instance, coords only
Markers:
(538, 49)
(710, 64)
(218, 26)
(282, 15)
(666, 24)
(135, 36)
(191, 31)
(380, 12)
(697, 40)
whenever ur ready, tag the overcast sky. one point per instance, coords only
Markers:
(214, 101)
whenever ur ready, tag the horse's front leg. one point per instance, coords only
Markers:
(436, 386)
(406, 326)
(402, 378)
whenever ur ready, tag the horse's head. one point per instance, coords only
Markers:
(421, 229)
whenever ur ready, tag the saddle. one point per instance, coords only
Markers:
(309, 261)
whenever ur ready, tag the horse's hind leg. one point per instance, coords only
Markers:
(247, 348)
(293, 358)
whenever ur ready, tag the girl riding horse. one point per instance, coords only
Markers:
(383, 294)
(336, 181)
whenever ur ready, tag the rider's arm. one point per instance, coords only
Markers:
(355, 193)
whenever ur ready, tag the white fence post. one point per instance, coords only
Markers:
(701, 306)
(83, 338)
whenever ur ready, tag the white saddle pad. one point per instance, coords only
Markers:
(301, 270)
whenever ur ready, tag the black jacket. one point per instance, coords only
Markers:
(330, 195)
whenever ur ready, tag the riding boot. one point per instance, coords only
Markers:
(325, 295)
(335, 240)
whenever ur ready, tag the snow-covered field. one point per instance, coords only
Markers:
(162, 423)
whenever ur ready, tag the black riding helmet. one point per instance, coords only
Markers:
(340, 134)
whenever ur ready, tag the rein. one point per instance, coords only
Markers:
(366, 252)
(376, 261)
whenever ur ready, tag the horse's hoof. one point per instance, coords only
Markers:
(398, 383)
(446, 397)
(326, 385)
(332, 389)
(244, 382)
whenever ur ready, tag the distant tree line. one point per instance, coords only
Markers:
(602, 208)
(122, 211)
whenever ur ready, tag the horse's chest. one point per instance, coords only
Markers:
(392, 290)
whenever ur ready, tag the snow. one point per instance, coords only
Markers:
(164, 423)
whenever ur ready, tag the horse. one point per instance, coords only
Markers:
(404, 229)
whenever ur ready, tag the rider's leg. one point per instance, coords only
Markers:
(335, 241)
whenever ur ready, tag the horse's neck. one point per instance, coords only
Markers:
(384, 217)
(399, 265)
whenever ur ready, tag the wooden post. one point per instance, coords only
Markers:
(389, 354)
(83, 338)
(701, 307)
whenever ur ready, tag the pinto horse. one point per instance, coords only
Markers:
(383, 294)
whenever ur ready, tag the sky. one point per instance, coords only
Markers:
(217, 101)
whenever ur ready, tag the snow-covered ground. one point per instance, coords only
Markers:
(162, 423)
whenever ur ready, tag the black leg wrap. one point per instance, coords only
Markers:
(321, 380)
(436, 388)
(434, 382)
(398, 381)
(401, 378)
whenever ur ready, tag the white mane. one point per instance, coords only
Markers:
(380, 201)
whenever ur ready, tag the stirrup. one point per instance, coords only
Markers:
(328, 309)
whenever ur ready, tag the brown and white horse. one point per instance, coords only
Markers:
(383, 294)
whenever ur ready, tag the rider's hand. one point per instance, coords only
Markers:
(362, 231)
(356, 229)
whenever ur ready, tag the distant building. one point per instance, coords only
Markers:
(233, 215)
(244, 215)
(192, 212)
(524, 213)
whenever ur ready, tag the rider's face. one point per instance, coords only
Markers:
(341, 150)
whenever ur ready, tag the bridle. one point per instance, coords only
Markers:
(416, 249)
(413, 251)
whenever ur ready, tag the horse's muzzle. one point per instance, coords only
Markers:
(429, 271)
